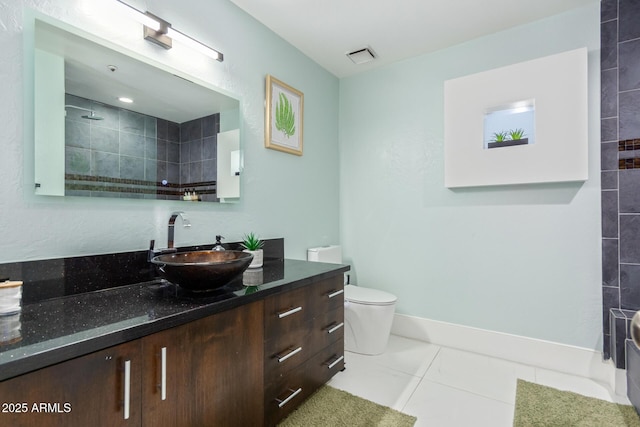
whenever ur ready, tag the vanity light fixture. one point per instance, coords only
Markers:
(125, 100)
(160, 32)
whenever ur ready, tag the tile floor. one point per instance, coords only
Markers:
(446, 387)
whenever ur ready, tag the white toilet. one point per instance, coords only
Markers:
(368, 313)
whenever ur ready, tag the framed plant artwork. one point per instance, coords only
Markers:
(284, 117)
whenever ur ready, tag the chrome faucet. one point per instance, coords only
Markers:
(172, 220)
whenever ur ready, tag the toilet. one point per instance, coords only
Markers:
(368, 313)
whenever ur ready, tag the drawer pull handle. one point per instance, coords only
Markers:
(294, 393)
(335, 328)
(336, 293)
(288, 355)
(127, 388)
(289, 312)
(163, 378)
(335, 362)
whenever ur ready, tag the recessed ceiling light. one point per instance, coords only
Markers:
(361, 56)
(125, 99)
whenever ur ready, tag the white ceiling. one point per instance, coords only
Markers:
(325, 30)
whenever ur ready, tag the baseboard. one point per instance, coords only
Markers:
(529, 351)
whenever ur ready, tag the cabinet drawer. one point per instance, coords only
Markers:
(326, 295)
(285, 313)
(283, 396)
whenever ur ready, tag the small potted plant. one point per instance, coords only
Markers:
(508, 138)
(517, 134)
(253, 244)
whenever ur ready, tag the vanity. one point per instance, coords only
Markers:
(153, 354)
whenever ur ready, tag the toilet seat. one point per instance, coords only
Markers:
(368, 296)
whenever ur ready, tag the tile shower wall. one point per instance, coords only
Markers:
(135, 155)
(620, 165)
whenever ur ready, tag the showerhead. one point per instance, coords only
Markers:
(92, 116)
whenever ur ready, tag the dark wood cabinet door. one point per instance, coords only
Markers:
(166, 378)
(86, 391)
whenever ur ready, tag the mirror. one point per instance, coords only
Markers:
(176, 140)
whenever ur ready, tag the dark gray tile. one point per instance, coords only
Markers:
(185, 153)
(103, 139)
(629, 65)
(161, 170)
(606, 342)
(195, 172)
(191, 130)
(609, 213)
(629, 16)
(105, 164)
(131, 167)
(209, 147)
(608, 10)
(210, 125)
(609, 180)
(609, 156)
(209, 170)
(184, 174)
(629, 192)
(629, 112)
(173, 152)
(630, 238)
(610, 299)
(618, 342)
(609, 130)
(195, 150)
(173, 132)
(610, 264)
(161, 150)
(609, 45)
(630, 286)
(132, 122)
(77, 161)
(151, 148)
(151, 170)
(162, 129)
(173, 173)
(150, 127)
(609, 93)
(77, 134)
(132, 144)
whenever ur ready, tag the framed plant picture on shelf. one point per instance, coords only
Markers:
(284, 117)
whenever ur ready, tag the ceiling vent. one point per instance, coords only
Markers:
(361, 56)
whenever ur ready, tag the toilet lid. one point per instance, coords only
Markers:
(362, 295)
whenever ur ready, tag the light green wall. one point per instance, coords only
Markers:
(283, 195)
(517, 259)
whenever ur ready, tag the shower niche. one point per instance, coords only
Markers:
(108, 123)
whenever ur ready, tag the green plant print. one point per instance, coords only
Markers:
(516, 134)
(500, 136)
(285, 118)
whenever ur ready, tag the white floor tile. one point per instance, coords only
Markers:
(406, 355)
(365, 378)
(478, 374)
(443, 406)
(584, 386)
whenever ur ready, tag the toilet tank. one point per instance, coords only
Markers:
(331, 254)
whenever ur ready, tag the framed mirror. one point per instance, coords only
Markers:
(107, 124)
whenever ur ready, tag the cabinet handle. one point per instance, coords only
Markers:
(163, 374)
(127, 388)
(288, 355)
(294, 393)
(336, 293)
(335, 328)
(335, 362)
(289, 312)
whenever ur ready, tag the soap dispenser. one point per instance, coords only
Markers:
(218, 246)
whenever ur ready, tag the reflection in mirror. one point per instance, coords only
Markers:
(160, 143)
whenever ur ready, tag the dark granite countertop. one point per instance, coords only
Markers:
(58, 329)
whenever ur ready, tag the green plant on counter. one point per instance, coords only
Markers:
(285, 118)
(252, 242)
(516, 134)
(500, 136)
